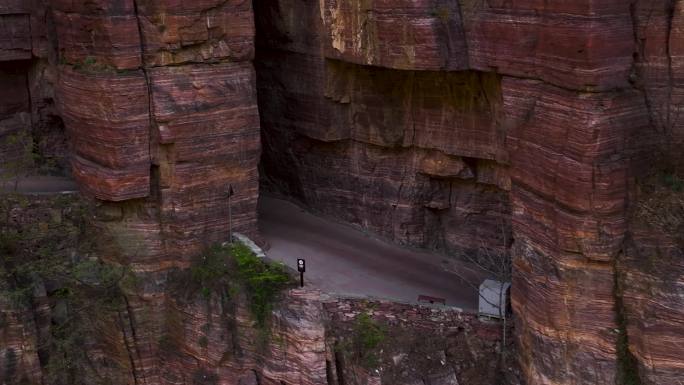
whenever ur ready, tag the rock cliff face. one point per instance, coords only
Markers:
(29, 120)
(162, 330)
(161, 105)
(416, 156)
(550, 132)
(550, 116)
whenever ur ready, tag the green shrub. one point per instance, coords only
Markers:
(90, 65)
(234, 268)
(673, 182)
(367, 337)
(84, 292)
(262, 282)
(210, 270)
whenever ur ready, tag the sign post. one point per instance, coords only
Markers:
(301, 267)
(230, 193)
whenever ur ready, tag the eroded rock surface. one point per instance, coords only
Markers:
(559, 111)
(495, 127)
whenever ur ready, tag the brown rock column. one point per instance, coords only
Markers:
(569, 175)
(159, 98)
(651, 269)
(588, 97)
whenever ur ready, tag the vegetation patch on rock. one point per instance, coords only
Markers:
(233, 269)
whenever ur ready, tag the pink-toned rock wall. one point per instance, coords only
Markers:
(410, 35)
(651, 270)
(449, 125)
(584, 104)
(651, 266)
(196, 32)
(208, 134)
(569, 198)
(415, 156)
(159, 100)
(583, 45)
(107, 116)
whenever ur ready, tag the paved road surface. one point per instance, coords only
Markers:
(40, 185)
(342, 260)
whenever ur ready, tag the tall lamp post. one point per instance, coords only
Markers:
(230, 193)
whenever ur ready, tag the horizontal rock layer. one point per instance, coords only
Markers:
(584, 101)
(200, 31)
(555, 113)
(177, 136)
(586, 45)
(15, 37)
(160, 100)
(413, 156)
(108, 121)
(417, 35)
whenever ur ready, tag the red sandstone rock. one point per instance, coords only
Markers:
(362, 185)
(562, 156)
(15, 37)
(403, 34)
(660, 70)
(569, 203)
(208, 134)
(108, 120)
(98, 34)
(207, 111)
(199, 31)
(650, 273)
(418, 156)
(584, 45)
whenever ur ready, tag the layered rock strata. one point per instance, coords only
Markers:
(164, 330)
(573, 105)
(453, 125)
(31, 130)
(159, 99)
(415, 156)
(160, 102)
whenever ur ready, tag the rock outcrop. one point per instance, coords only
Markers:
(554, 115)
(415, 156)
(69, 326)
(160, 102)
(31, 130)
(547, 132)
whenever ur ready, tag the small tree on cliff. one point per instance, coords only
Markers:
(496, 264)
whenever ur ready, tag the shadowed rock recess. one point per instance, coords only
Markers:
(547, 132)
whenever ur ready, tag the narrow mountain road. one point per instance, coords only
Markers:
(339, 259)
(39, 185)
(342, 260)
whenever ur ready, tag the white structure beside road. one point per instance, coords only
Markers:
(493, 297)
